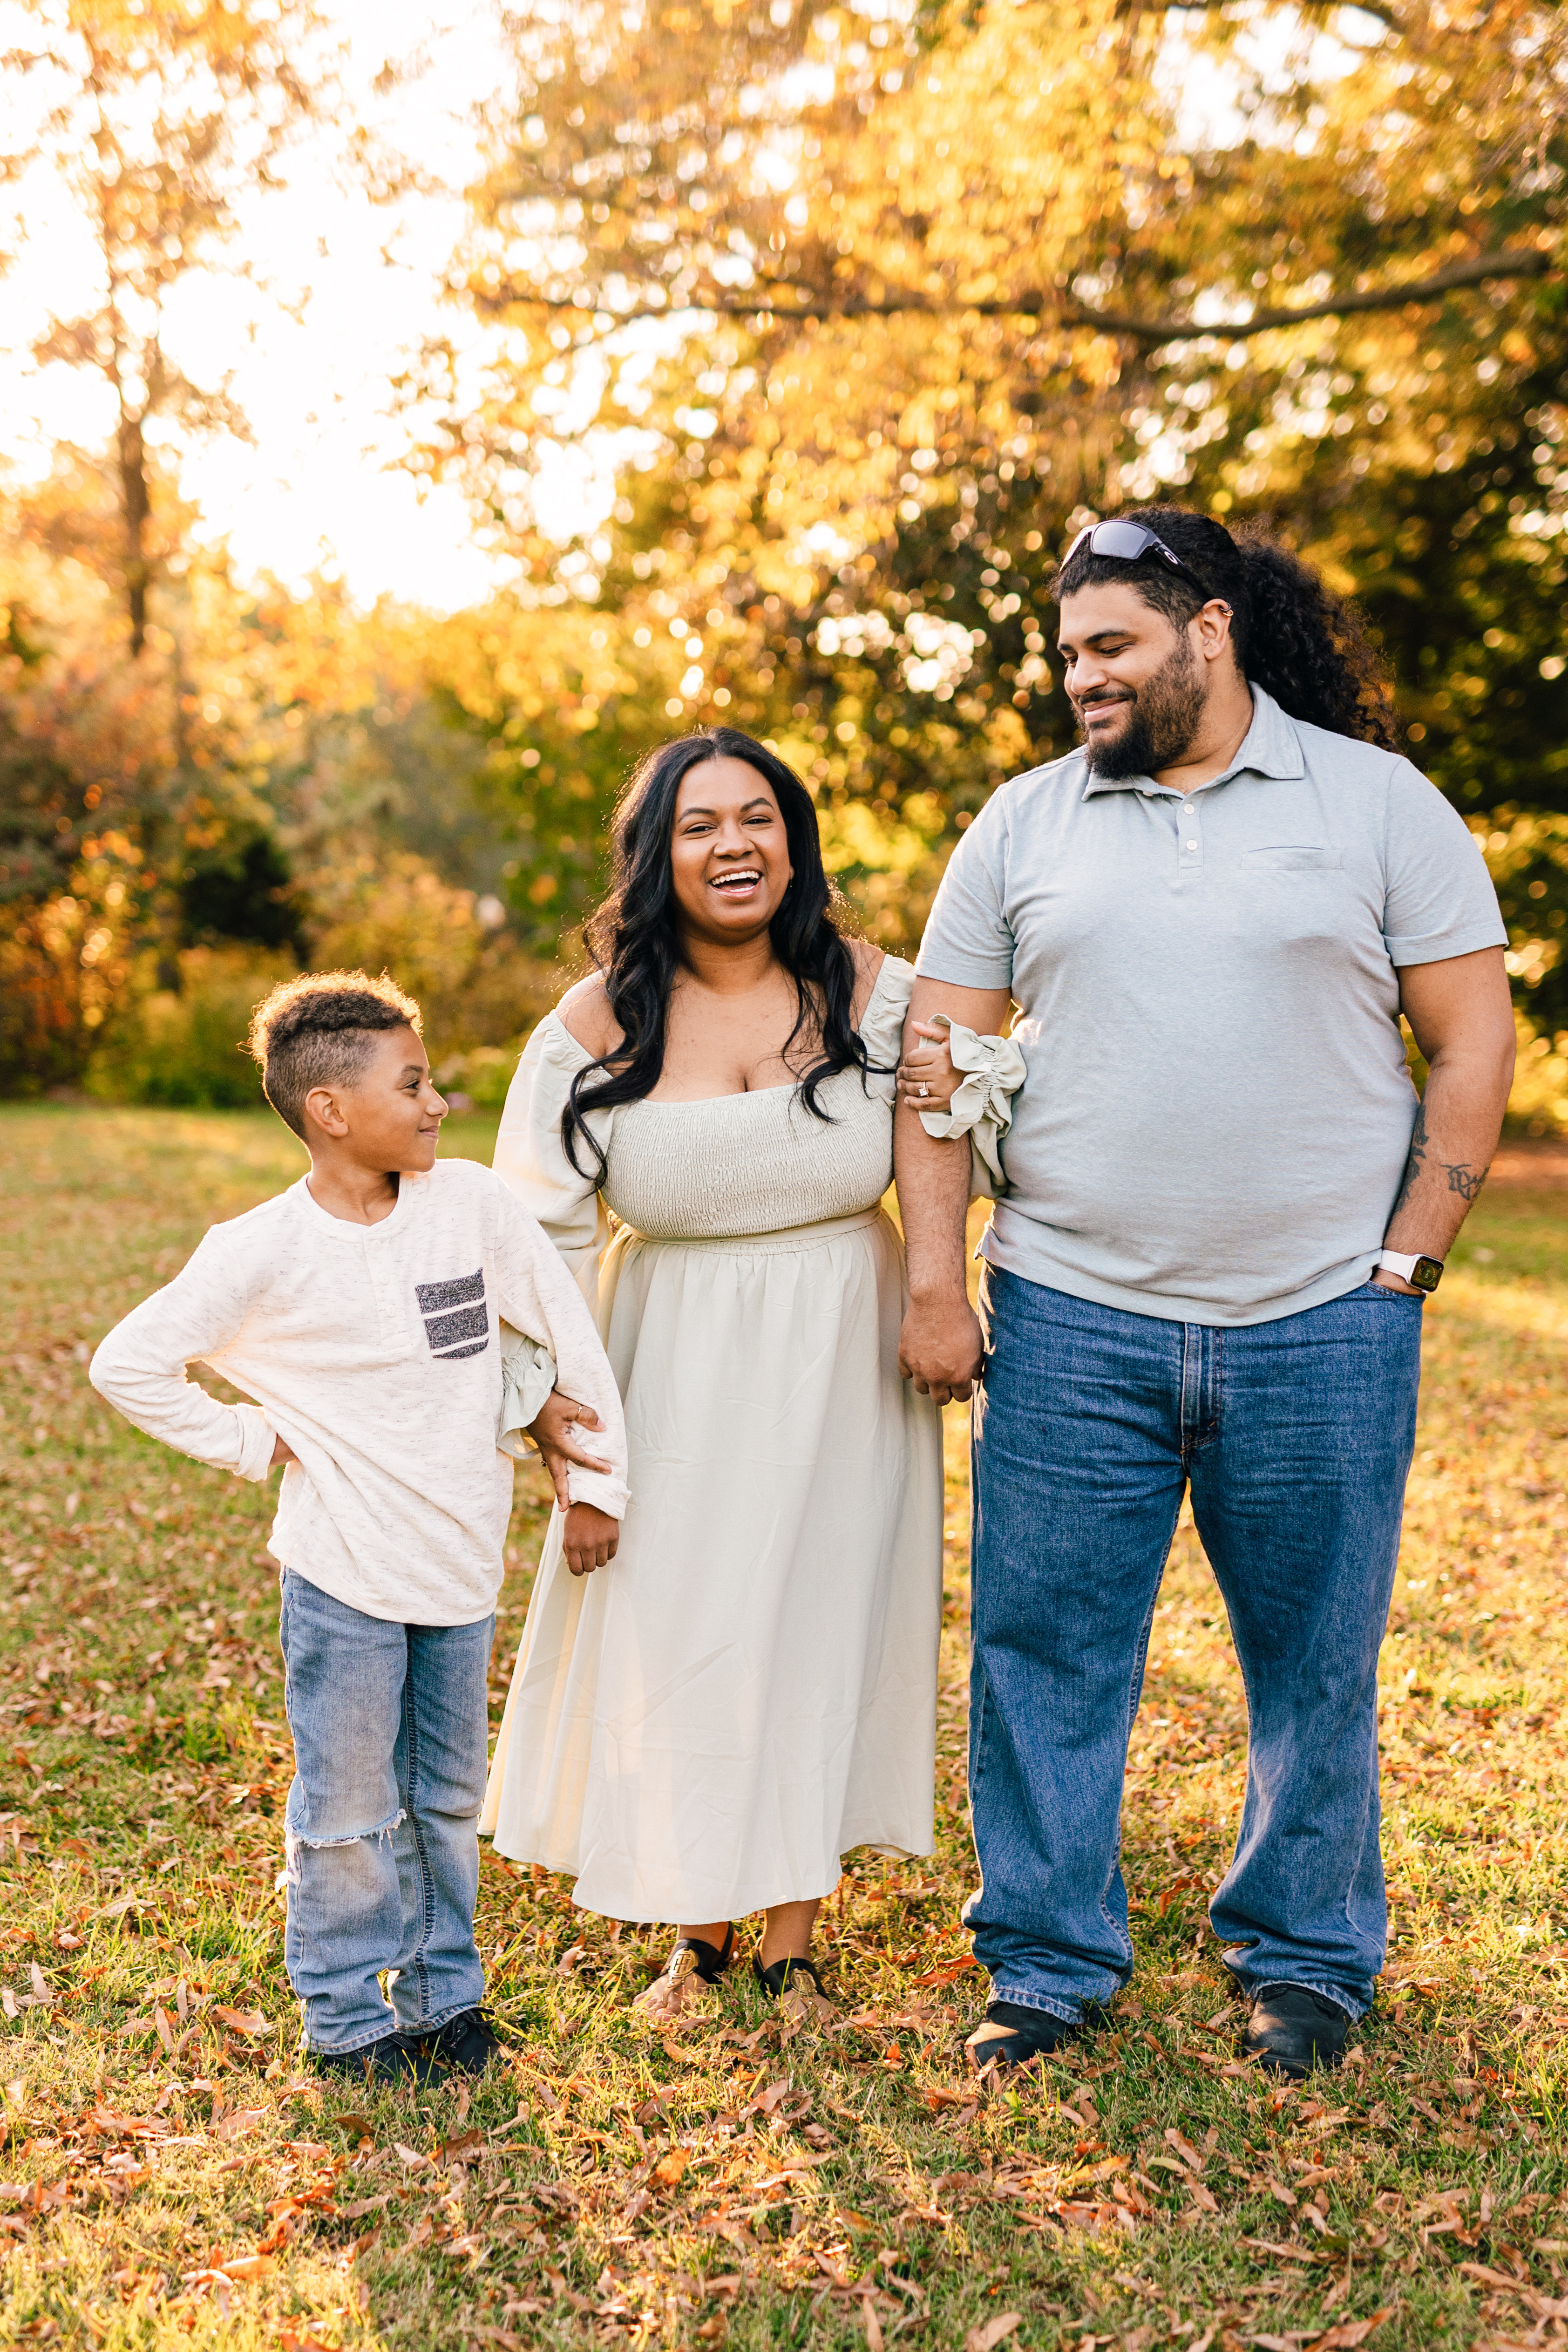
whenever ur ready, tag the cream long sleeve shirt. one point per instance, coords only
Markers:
(374, 1351)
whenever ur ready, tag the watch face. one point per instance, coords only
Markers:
(1426, 1272)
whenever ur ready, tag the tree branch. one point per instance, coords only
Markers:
(783, 301)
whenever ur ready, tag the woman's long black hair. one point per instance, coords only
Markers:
(1293, 638)
(633, 939)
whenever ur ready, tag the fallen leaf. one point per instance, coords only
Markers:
(242, 2120)
(1352, 2331)
(410, 2155)
(247, 2266)
(244, 2021)
(1202, 2195)
(981, 2340)
(671, 2166)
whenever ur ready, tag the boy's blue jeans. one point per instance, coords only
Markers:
(1296, 1438)
(382, 1826)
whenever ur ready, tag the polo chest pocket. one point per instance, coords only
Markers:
(1294, 857)
(457, 1316)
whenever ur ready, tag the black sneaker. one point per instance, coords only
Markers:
(390, 2060)
(467, 2043)
(1289, 2031)
(1012, 2035)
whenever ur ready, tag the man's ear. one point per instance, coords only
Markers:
(322, 1108)
(1212, 622)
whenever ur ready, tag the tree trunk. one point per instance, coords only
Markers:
(138, 507)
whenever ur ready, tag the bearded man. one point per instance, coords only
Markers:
(1224, 1209)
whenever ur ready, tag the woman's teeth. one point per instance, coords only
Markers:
(735, 882)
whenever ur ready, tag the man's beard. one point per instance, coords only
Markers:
(1166, 716)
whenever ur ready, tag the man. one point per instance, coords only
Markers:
(1224, 1209)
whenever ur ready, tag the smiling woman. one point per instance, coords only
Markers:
(749, 1690)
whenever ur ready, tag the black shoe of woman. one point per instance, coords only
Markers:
(665, 1997)
(783, 1973)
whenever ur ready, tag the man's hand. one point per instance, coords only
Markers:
(590, 1538)
(940, 1347)
(555, 1431)
(281, 1451)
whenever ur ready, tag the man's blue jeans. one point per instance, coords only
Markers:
(382, 1826)
(1296, 1438)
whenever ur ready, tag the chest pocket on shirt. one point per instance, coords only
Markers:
(1295, 858)
(456, 1319)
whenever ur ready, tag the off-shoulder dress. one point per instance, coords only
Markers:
(748, 1691)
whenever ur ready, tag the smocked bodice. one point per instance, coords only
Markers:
(752, 1164)
(712, 1170)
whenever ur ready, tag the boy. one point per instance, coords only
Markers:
(360, 1310)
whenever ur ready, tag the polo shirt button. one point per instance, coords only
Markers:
(1192, 844)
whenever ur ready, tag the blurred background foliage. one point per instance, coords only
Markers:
(866, 308)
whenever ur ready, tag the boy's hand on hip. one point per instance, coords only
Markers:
(556, 1430)
(281, 1451)
(590, 1538)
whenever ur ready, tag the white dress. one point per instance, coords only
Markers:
(748, 1690)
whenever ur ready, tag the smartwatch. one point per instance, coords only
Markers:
(1420, 1273)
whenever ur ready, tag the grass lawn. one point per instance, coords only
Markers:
(169, 2176)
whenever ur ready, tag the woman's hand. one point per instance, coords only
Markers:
(282, 1452)
(926, 1079)
(590, 1538)
(555, 1431)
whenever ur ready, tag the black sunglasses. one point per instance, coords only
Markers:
(1127, 542)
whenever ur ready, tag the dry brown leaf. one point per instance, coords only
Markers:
(246, 2266)
(248, 2021)
(981, 2340)
(1351, 2331)
(671, 2166)
(242, 2120)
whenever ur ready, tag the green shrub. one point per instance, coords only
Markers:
(184, 1049)
(483, 1073)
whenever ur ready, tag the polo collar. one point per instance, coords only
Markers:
(1271, 747)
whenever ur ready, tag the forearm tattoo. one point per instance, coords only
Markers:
(1465, 1181)
(1413, 1164)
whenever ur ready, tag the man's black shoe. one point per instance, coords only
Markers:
(1290, 2030)
(1012, 2035)
(390, 2060)
(467, 2042)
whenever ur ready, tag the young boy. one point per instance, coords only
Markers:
(360, 1310)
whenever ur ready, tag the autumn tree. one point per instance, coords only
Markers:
(157, 115)
(898, 298)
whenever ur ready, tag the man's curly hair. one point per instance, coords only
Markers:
(1292, 636)
(319, 1031)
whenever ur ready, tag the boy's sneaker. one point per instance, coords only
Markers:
(390, 2060)
(467, 2042)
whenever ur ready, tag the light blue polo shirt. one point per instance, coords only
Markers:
(1217, 1107)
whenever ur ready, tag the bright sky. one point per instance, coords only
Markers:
(320, 484)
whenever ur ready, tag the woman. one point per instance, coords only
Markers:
(703, 1727)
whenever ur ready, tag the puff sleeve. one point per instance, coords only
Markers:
(993, 1069)
(531, 1160)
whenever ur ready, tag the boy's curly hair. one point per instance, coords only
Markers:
(316, 1031)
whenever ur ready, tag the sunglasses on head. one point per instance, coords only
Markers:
(1126, 543)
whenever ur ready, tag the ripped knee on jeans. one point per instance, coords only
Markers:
(293, 1838)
